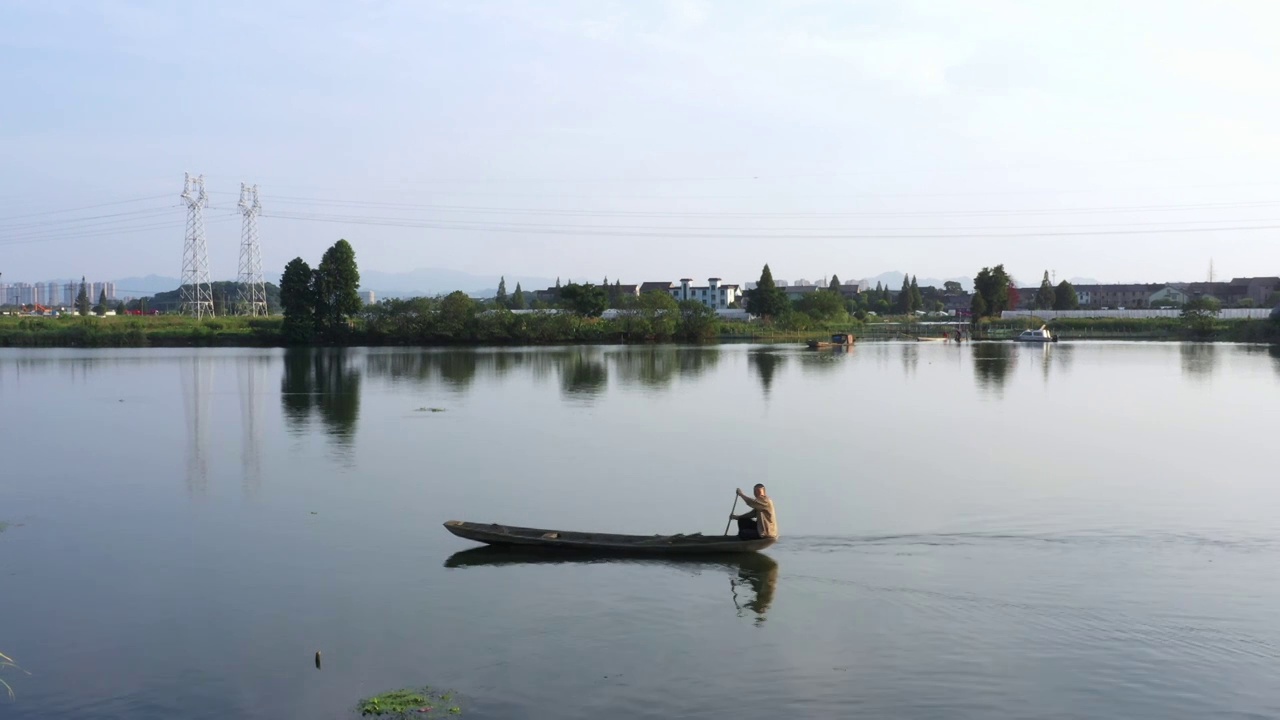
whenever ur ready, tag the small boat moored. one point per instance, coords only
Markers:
(837, 340)
(1037, 336)
(695, 544)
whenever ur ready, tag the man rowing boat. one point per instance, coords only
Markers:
(760, 522)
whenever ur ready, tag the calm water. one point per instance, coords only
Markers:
(992, 531)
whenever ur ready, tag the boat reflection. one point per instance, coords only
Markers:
(752, 584)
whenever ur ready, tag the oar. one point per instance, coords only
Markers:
(735, 507)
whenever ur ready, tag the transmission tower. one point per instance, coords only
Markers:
(252, 299)
(197, 293)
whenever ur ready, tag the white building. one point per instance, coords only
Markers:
(713, 294)
(368, 297)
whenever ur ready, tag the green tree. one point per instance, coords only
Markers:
(586, 300)
(992, 284)
(298, 301)
(697, 323)
(917, 300)
(951, 287)
(120, 309)
(335, 284)
(457, 311)
(517, 298)
(835, 283)
(82, 299)
(1064, 297)
(501, 298)
(978, 306)
(767, 300)
(823, 306)
(1046, 297)
(101, 308)
(1199, 316)
(903, 306)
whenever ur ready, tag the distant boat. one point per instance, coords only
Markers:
(561, 540)
(837, 340)
(1037, 336)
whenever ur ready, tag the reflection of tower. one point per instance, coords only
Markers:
(197, 293)
(252, 376)
(197, 382)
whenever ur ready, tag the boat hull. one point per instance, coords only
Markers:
(562, 541)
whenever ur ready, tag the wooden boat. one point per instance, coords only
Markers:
(837, 340)
(560, 540)
(922, 338)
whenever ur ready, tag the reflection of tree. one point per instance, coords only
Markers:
(1274, 352)
(323, 382)
(457, 367)
(992, 362)
(1198, 359)
(910, 358)
(338, 393)
(583, 375)
(766, 363)
(297, 386)
(657, 365)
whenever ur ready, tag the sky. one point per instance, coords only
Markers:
(1132, 141)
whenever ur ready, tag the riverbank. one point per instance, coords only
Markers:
(180, 331)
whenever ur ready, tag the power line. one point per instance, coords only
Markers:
(85, 207)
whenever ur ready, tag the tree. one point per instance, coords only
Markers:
(101, 308)
(822, 305)
(120, 310)
(557, 283)
(951, 287)
(298, 302)
(1046, 297)
(992, 284)
(82, 299)
(697, 321)
(835, 283)
(1200, 315)
(501, 298)
(517, 298)
(978, 307)
(903, 306)
(586, 300)
(767, 299)
(336, 284)
(1064, 297)
(917, 301)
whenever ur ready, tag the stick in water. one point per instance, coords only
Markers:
(735, 507)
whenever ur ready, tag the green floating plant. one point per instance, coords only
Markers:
(408, 703)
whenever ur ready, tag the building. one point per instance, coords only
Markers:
(664, 286)
(367, 297)
(713, 294)
(1168, 295)
(110, 289)
(795, 292)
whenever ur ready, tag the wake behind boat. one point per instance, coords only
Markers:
(695, 544)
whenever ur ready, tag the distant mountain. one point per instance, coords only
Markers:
(145, 286)
(441, 281)
(893, 280)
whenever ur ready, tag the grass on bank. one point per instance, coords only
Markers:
(428, 329)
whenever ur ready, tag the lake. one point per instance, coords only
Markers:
(1080, 530)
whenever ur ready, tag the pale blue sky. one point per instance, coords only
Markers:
(593, 138)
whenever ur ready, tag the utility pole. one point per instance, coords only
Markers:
(252, 296)
(197, 293)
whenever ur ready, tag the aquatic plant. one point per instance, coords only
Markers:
(5, 663)
(406, 702)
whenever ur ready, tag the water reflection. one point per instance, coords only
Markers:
(1198, 359)
(752, 584)
(658, 365)
(323, 383)
(992, 362)
(766, 362)
(251, 372)
(824, 360)
(583, 374)
(197, 385)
